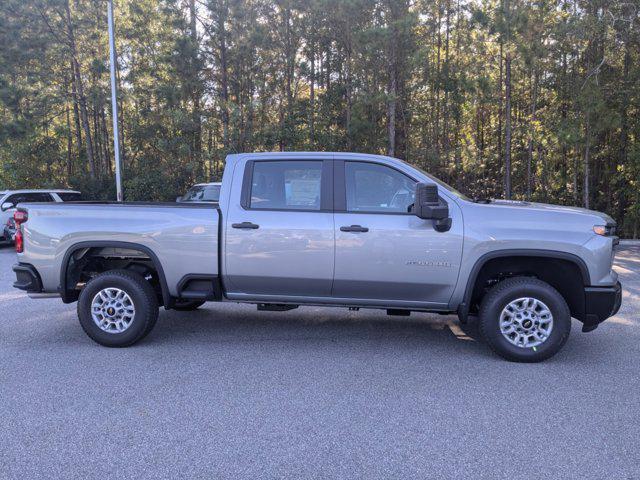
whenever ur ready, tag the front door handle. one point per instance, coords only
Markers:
(354, 228)
(247, 225)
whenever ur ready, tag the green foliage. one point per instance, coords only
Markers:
(424, 80)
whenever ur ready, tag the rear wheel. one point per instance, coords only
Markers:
(117, 308)
(524, 320)
(187, 305)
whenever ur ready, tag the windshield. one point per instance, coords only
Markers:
(202, 193)
(444, 185)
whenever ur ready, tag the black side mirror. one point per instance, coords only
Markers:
(7, 205)
(429, 206)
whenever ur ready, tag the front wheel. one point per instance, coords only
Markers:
(524, 320)
(117, 308)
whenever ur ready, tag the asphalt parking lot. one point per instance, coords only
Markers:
(229, 392)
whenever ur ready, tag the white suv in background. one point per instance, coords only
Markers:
(202, 192)
(9, 199)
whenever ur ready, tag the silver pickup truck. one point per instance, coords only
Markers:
(333, 229)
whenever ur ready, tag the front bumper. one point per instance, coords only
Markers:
(600, 304)
(27, 278)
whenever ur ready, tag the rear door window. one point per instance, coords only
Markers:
(286, 185)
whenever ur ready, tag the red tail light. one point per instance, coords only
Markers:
(20, 217)
(19, 240)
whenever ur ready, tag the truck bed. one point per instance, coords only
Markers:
(183, 237)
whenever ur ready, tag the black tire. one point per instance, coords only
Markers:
(187, 305)
(509, 290)
(142, 295)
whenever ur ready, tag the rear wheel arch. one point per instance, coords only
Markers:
(70, 295)
(564, 271)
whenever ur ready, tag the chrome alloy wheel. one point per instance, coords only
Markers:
(526, 322)
(112, 310)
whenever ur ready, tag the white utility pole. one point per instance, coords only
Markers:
(114, 99)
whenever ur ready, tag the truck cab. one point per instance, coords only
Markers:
(336, 228)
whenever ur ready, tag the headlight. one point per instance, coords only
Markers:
(604, 230)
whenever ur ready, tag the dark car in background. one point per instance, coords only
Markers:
(10, 230)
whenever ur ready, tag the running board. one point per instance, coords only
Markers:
(398, 312)
(43, 295)
(275, 307)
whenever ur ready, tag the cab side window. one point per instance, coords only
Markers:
(286, 185)
(376, 188)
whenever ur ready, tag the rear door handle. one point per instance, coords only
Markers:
(246, 225)
(354, 228)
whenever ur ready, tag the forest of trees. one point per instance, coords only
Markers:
(517, 99)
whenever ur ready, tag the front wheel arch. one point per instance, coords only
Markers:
(566, 272)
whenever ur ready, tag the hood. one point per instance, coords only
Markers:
(533, 206)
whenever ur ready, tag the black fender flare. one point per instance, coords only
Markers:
(166, 297)
(463, 308)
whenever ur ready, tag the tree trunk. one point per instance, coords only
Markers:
(69, 133)
(348, 92)
(224, 75)
(391, 116)
(587, 154)
(447, 72)
(97, 141)
(76, 111)
(84, 116)
(500, 107)
(507, 128)
(105, 135)
(286, 117)
(196, 93)
(392, 93)
(312, 95)
(437, 138)
(624, 124)
(534, 99)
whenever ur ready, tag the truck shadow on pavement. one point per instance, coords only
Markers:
(310, 327)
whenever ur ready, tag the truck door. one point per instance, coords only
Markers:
(382, 251)
(280, 236)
